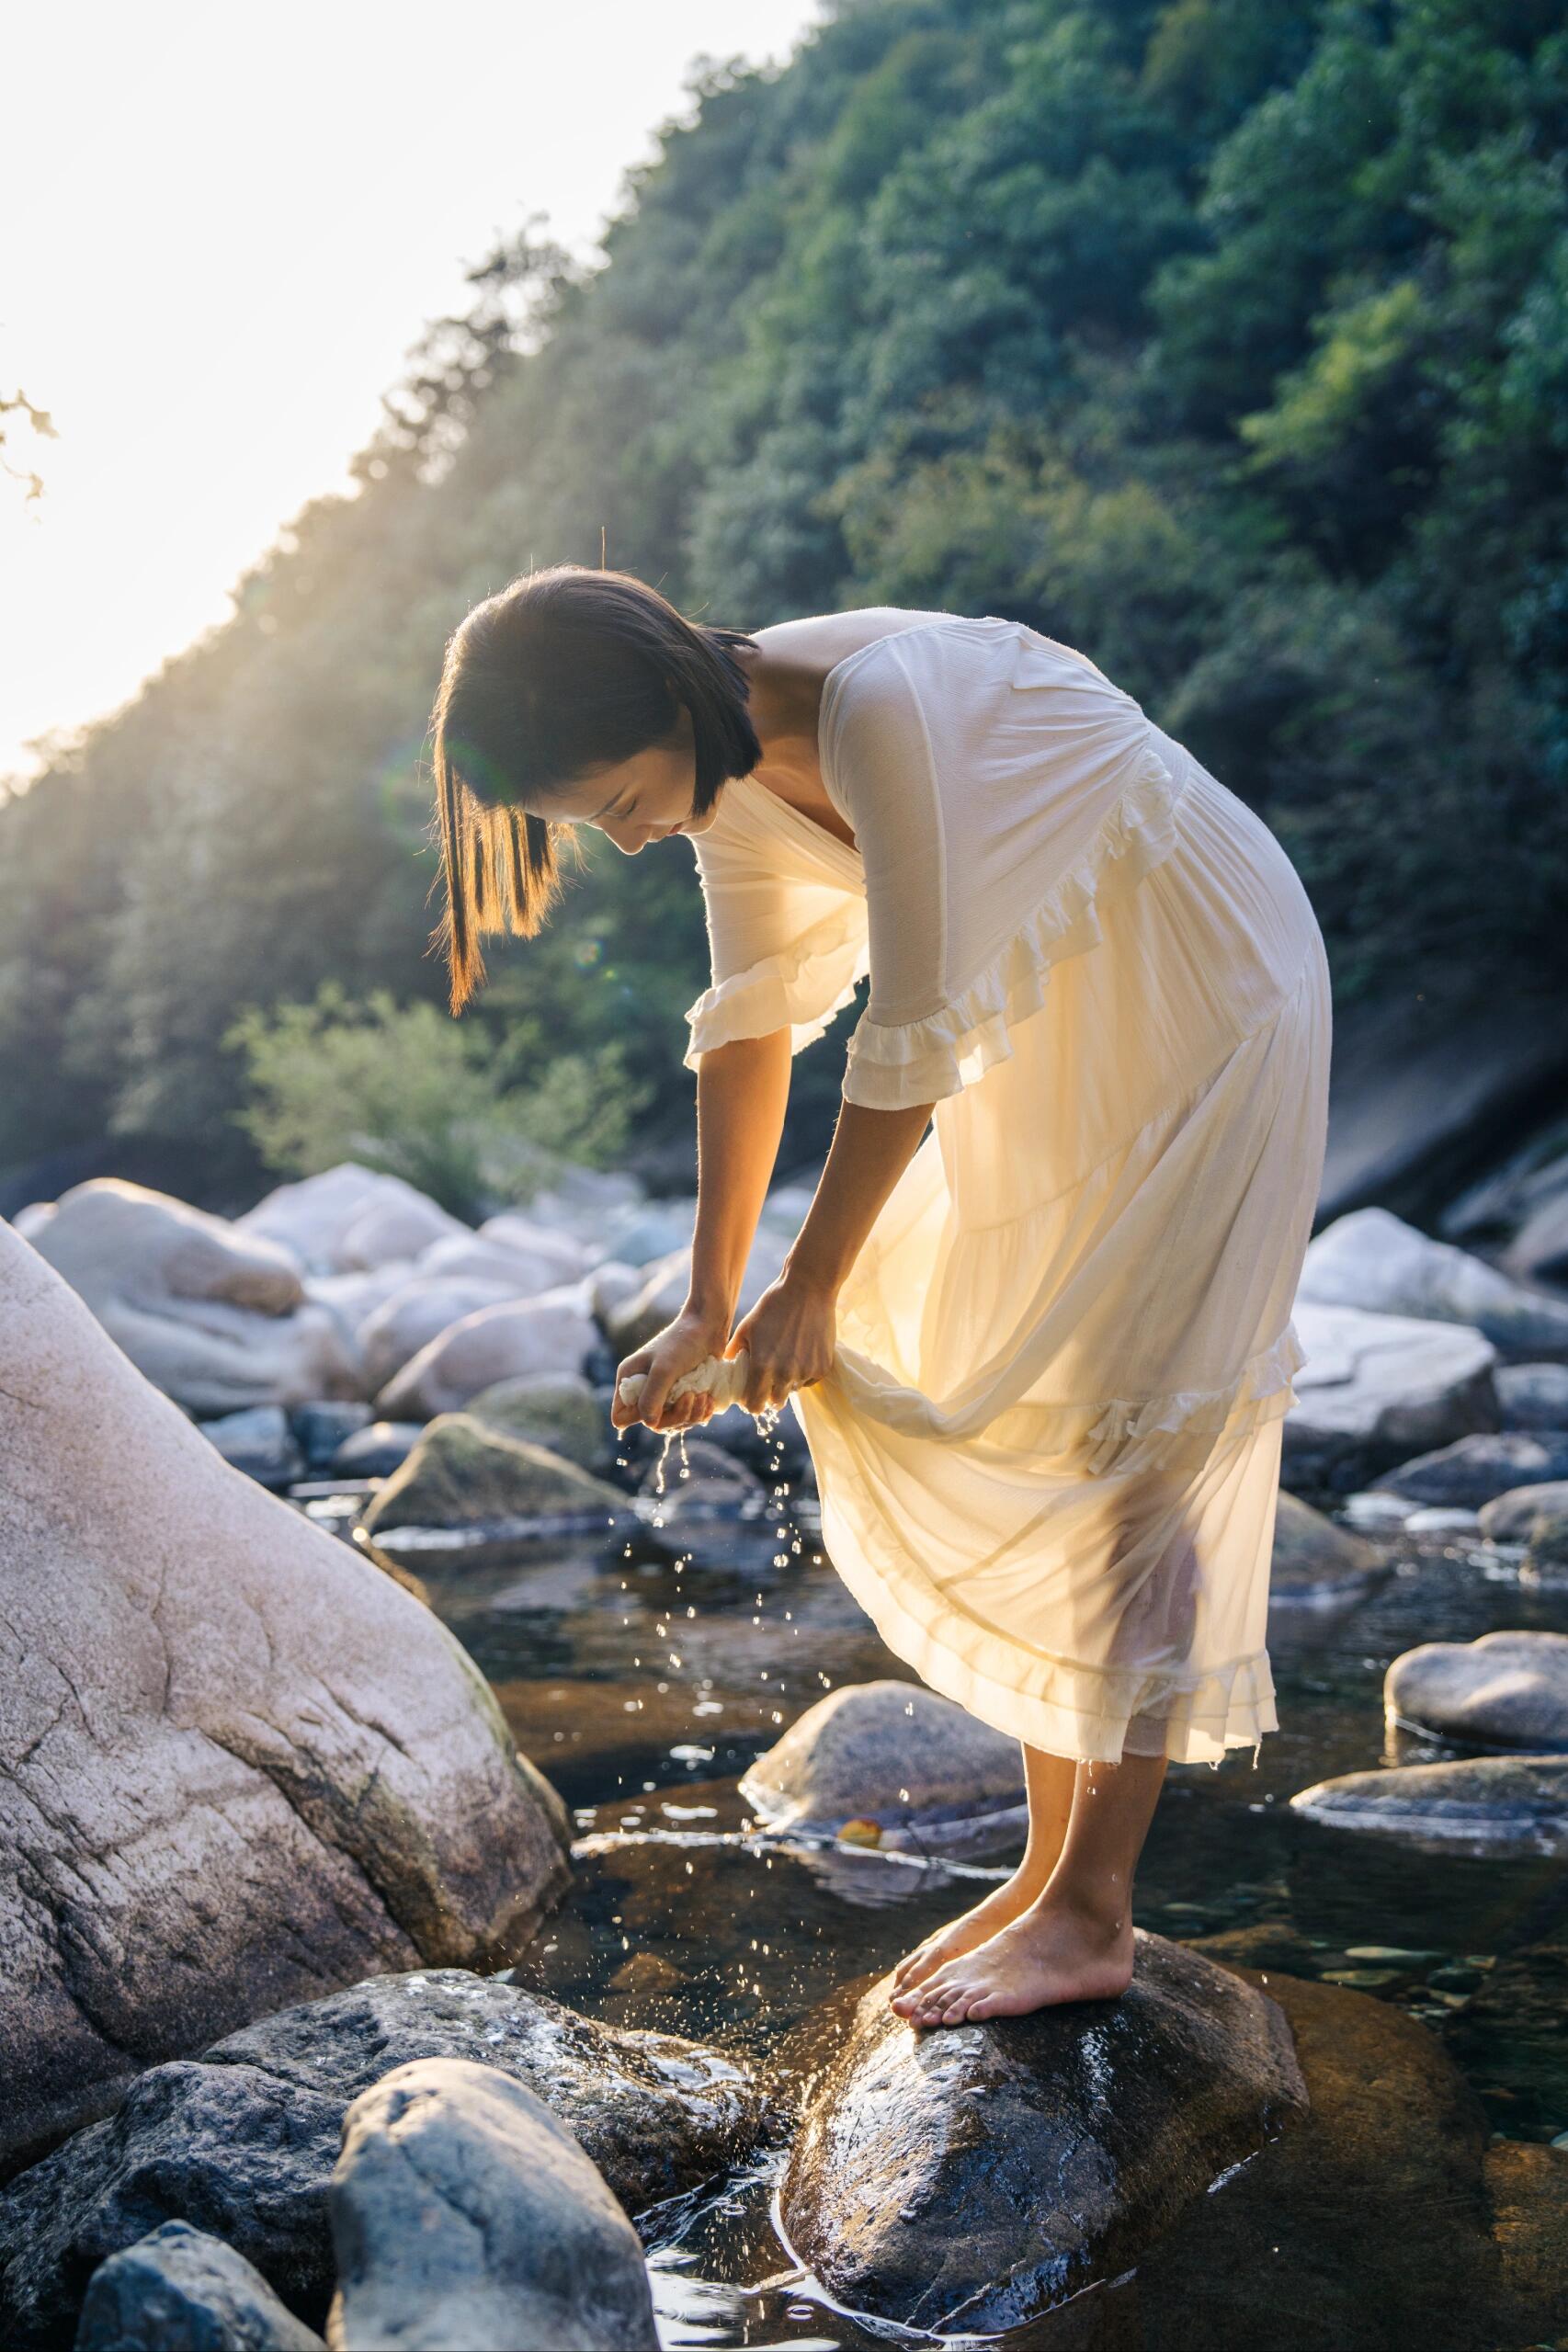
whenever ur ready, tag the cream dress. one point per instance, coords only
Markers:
(1049, 1451)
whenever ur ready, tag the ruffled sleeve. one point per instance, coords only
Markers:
(1001, 791)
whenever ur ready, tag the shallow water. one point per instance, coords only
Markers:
(644, 1688)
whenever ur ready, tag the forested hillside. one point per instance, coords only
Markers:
(1227, 339)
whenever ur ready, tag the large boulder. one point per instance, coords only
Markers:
(1376, 1388)
(240, 1766)
(1376, 1261)
(969, 2178)
(522, 1260)
(553, 1333)
(1317, 1564)
(414, 1314)
(463, 1474)
(558, 1410)
(214, 1316)
(1494, 1805)
(1511, 1517)
(467, 2219)
(314, 1219)
(1475, 1471)
(242, 2141)
(1503, 1690)
(554, 1256)
(389, 1230)
(177, 2290)
(1533, 1396)
(893, 1754)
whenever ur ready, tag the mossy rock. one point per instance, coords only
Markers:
(556, 1410)
(464, 1473)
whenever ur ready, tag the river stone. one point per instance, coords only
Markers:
(1508, 1690)
(557, 1410)
(1475, 1471)
(1511, 1517)
(320, 1426)
(555, 1255)
(890, 1752)
(314, 1218)
(391, 1228)
(554, 1333)
(1315, 1562)
(1494, 1805)
(181, 2291)
(967, 2178)
(214, 1316)
(1376, 1388)
(241, 1766)
(696, 1475)
(466, 2217)
(1373, 1260)
(1533, 1396)
(666, 1281)
(414, 1315)
(377, 1449)
(462, 1473)
(242, 2141)
(1547, 1551)
(258, 1441)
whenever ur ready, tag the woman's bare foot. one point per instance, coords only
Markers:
(1053, 1951)
(997, 1909)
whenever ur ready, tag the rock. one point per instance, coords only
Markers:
(354, 1298)
(1315, 1562)
(557, 1410)
(393, 1228)
(967, 2179)
(517, 1272)
(1376, 1513)
(1439, 1519)
(466, 2217)
(1526, 2188)
(215, 1317)
(779, 1453)
(1539, 1251)
(259, 1442)
(1475, 1471)
(414, 1315)
(559, 1256)
(1374, 1261)
(242, 1766)
(314, 1218)
(1533, 1396)
(609, 1287)
(1494, 1805)
(649, 1230)
(461, 1474)
(1377, 1388)
(242, 2141)
(1510, 1517)
(1546, 1555)
(664, 1287)
(179, 2291)
(553, 1333)
(30, 1221)
(890, 1752)
(320, 1426)
(585, 1202)
(1507, 1689)
(698, 1476)
(376, 1450)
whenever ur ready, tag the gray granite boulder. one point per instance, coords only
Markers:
(1316, 1564)
(314, 1219)
(970, 2179)
(553, 1333)
(1474, 1471)
(556, 1410)
(414, 1314)
(242, 2141)
(462, 1473)
(1373, 1260)
(1511, 1517)
(179, 2291)
(1493, 1805)
(466, 2217)
(240, 1765)
(1533, 1396)
(1376, 1388)
(893, 1754)
(1503, 1690)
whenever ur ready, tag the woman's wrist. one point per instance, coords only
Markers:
(812, 1274)
(710, 1317)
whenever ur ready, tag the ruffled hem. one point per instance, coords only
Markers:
(892, 1064)
(801, 990)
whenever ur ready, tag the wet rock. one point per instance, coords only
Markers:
(1378, 1387)
(967, 2178)
(323, 1424)
(557, 1410)
(665, 1283)
(1375, 1261)
(214, 1316)
(554, 1333)
(1506, 1689)
(242, 1766)
(1533, 1396)
(1475, 1471)
(893, 1752)
(1316, 1562)
(314, 1218)
(1495, 1804)
(414, 1315)
(242, 2141)
(699, 1476)
(1511, 1517)
(1546, 1555)
(467, 2219)
(781, 1452)
(377, 1449)
(1376, 1514)
(179, 2291)
(1527, 2186)
(259, 1442)
(1442, 1519)
(462, 1475)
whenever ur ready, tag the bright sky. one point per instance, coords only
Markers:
(223, 229)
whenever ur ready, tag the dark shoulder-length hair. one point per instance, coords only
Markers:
(563, 671)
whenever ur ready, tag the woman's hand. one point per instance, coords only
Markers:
(790, 1336)
(679, 1347)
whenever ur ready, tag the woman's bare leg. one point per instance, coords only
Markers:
(1051, 1780)
(1073, 1940)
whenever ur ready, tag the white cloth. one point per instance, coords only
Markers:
(1048, 1449)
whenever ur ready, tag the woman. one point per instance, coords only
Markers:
(1040, 1357)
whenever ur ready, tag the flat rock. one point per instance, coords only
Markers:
(179, 2291)
(463, 1474)
(242, 2141)
(890, 1752)
(557, 1410)
(1511, 1517)
(1494, 1805)
(1533, 1396)
(1475, 1471)
(468, 2219)
(240, 1766)
(553, 1333)
(1316, 1562)
(1377, 1388)
(969, 2178)
(1506, 1689)
(1373, 1260)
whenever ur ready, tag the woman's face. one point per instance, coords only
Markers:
(641, 799)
